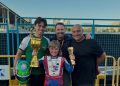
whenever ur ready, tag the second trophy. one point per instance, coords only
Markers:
(70, 51)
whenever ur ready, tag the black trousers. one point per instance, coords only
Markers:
(66, 78)
(36, 80)
(84, 83)
(82, 79)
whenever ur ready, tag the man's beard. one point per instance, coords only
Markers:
(60, 36)
(79, 38)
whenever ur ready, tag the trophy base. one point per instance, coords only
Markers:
(34, 66)
(34, 62)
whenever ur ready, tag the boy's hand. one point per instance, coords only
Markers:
(72, 57)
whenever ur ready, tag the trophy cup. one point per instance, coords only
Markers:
(35, 44)
(70, 51)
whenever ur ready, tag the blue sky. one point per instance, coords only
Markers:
(65, 8)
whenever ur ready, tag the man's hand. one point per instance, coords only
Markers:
(101, 58)
(34, 53)
(88, 36)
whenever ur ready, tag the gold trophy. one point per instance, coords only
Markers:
(35, 44)
(70, 51)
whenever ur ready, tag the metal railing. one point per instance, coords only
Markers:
(118, 72)
(103, 75)
(11, 82)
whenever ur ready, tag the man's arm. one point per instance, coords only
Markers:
(17, 56)
(101, 58)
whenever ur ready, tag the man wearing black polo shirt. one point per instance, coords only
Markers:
(86, 54)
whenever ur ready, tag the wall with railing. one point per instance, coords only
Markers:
(105, 31)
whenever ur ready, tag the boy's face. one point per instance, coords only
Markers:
(39, 28)
(54, 51)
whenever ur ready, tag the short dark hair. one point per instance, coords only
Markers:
(59, 23)
(39, 20)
